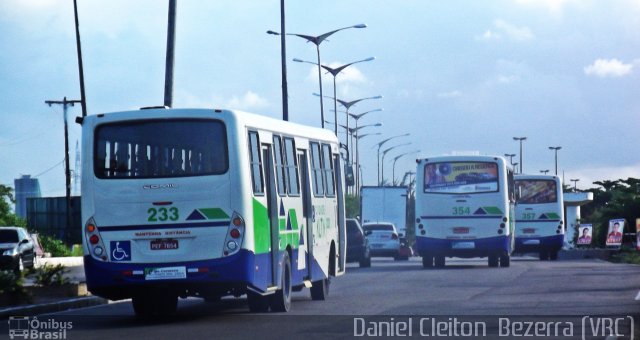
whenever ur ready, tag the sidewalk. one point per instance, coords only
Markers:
(52, 304)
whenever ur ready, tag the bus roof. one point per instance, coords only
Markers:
(540, 177)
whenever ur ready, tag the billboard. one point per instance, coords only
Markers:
(534, 191)
(585, 234)
(461, 177)
(614, 234)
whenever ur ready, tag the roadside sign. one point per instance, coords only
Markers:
(585, 234)
(614, 234)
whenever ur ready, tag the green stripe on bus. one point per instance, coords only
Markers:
(553, 216)
(493, 210)
(214, 213)
(261, 230)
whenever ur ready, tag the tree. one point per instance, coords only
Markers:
(7, 217)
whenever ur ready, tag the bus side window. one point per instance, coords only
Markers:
(256, 165)
(327, 169)
(291, 165)
(316, 170)
(280, 174)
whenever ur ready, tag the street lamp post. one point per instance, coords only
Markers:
(384, 153)
(575, 184)
(334, 72)
(359, 178)
(395, 159)
(515, 167)
(520, 139)
(556, 148)
(317, 40)
(544, 171)
(379, 145)
(510, 155)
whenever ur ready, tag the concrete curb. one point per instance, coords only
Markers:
(65, 261)
(52, 307)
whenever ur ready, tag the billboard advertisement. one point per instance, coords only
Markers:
(585, 234)
(614, 234)
(461, 177)
(535, 191)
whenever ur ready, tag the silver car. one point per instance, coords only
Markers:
(383, 240)
(16, 249)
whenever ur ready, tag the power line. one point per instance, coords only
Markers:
(51, 168)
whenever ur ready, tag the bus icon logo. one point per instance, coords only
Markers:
(120, 251)
(19, 327)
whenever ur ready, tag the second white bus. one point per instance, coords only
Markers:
(464, 208)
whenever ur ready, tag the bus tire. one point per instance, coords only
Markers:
(257, 303)
(544, 255)
(427, 261)
(505, 260)
(147, 304)
(493, 260)
(320, 290)
(553, 255)
(281, 300)
(440, 261)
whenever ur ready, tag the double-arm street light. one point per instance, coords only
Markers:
(520, 139)
(556, 148)
(380, 144)
(575, 184)
(334, 72)
(544, 171)
(358, 167)
(317, 40)
(395, 159)
(384, 153)
(510, 155)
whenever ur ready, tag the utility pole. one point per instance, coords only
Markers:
(171, 42)
(83, 98)
(283, 56)
(65, 104)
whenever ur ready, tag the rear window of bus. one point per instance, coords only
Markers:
(160, 149)
(537, 191)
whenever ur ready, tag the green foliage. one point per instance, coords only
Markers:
(76, 250)
(48, 275)
(627, 256)
(7, 218)
(352, 206)
(616, 199)
(54, 246)
(11, 285)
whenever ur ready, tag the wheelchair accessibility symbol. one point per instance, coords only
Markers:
(120, 251)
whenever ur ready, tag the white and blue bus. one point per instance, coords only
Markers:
(209, 203)
(539, 215)
(464, 208)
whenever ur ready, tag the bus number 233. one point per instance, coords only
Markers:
(163, 214)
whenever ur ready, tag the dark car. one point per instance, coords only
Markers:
(16, 249)
(357, 244)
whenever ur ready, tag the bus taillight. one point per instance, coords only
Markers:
(94, 241)
(235, 234)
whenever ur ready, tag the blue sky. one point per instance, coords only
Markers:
(456, 75)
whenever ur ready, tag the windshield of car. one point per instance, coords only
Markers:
(8, 236)
(379, 227)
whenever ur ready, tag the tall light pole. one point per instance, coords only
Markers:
(83, 98)
(520, 139)
(171, 42)
(359, 178)
(395, 159)
(575, 184)
(379, 145)
(334, 72)
(317, 40)
(556, 148)
(544, 171)
(515, 167)
(510, 155)
(384, 153)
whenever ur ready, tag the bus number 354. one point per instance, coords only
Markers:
(461, 210)
(163, 214)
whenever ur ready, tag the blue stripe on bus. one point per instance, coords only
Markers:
(163, 226)
(527, 221)
(456, 217)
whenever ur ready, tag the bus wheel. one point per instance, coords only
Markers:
(553, 255)
(427, 261)
(440, 261)
(493, 260)
(257, 303)
(281, 300)
(320, 290)
(148, 304)
(544, 255)
(505, 260)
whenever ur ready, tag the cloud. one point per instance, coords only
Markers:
(450, 94)
(249, 101)
(589, 175)
(503, 28)
(554, 6)
(608, 68)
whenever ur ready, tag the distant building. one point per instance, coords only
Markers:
(26, 187)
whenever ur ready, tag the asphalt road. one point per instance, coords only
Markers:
(391, 289)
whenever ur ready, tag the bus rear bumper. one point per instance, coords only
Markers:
(217, 277)
(481, 247)
(535, 244)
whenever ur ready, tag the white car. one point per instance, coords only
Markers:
(383, 240)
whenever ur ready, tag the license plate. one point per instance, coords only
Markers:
(528, 231)
(463, 245)
(460, 230)
(376, 246)
(165, 273)
(164, 244)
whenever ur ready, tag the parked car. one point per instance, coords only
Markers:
(357, 244)
(383, 240)
(16, 249)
